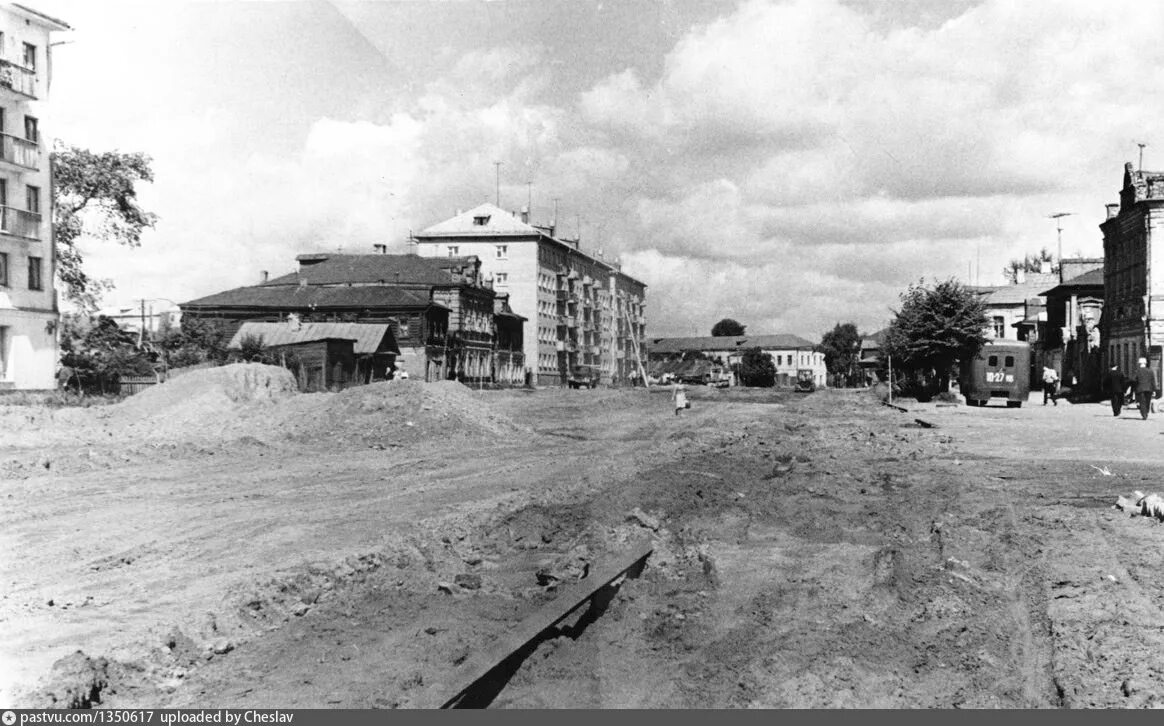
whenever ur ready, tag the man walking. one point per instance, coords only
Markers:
(1117, 385)
(1146, 387)
(1050, 385)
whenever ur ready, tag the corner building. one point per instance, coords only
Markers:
(588, 312)
(28, 300)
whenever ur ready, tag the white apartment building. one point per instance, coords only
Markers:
(585, 313)
(28, 301)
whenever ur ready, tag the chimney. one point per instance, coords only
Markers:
(263, 276)
(525, 214)
(1112, 210)
(303, 282)
(380, 249)
(1020, 276)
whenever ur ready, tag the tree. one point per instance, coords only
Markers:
(197, 340)
(94, 195)
(936, 328)
(757, 368)
(841, 347)
(1031, 263)
(96, 354)
(727, 327)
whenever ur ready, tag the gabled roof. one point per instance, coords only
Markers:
(1087, 281)
(328, 268)
(368, 337)
(485, 220)
(308, 297)
(729, 342)
(1018, 294)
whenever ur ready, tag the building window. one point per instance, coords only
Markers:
(501, 278)
(3, 352)
(30, 56)
(998, 325)
(502, 251)
(3, 269)
(403, 328)
(481, 220)
(35, 280)
(30, 129)
(32, 199)
(454, 250)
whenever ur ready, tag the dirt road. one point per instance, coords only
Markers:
(811, 551)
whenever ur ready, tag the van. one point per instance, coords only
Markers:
(1001, 370)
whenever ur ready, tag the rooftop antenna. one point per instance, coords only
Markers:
(1141, 167)
(497, 181)
(1058, 217)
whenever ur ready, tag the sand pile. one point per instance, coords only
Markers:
(207, 399)
(392, 411)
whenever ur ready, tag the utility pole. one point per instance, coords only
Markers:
(1058, 217)
(529, 199)
(497, 181)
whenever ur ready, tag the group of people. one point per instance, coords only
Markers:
(1143, 383)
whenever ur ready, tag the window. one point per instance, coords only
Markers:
(1009, 361)
(998, 326)
(481, 220)
(30, 56)
(3, 352)
(501, 278)
(3, 269)
(403, 328)
(30, 130)
(32, 199)
(992, 361)
(3, 192)
(454, 250)
(502, 251)
(35, 281)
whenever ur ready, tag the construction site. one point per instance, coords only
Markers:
(223, 540)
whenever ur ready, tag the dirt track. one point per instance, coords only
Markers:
(811, 551)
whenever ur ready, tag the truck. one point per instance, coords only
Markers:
(583, 376)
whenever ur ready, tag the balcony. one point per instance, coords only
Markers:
(18, 78)
(19, 151)
(19, 223)
(563, 295)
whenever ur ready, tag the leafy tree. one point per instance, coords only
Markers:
(727, 327)
(94, 195)
(197, 340)
(253, 350)
(757, 368)
(1031, 263)
(841, 347)
(936, 328)
(96, 354)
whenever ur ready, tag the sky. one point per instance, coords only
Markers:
(788, 164)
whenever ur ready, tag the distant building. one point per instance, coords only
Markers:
(790, 353)
(1133, 287)
(586, 311)
(1072, 343)
(157, 318)
(28, 299)
(447, 320)
(869, 356)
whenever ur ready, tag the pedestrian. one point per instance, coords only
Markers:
(1146, 387)
(1116, 384)
(1050, 385)
(679, 396)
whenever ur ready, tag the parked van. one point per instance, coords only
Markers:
(1002, 369)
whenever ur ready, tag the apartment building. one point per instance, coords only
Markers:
(589, 317)
(28, 304)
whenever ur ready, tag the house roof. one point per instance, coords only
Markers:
(485, 220)
(290, 297)
(50, 21)
(1088, 280)
(367, 338)
(337, 269)
(729, 342)
(1018, 294)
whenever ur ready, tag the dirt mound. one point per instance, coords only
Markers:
(212, 388)
(391, 411)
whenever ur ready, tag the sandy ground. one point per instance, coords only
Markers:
(810, 550)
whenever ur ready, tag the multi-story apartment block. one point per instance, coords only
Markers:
(1133, 283)
(28, 304)
(590, 316)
